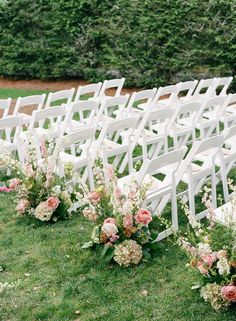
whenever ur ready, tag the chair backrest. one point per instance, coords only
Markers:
(186, 111)
(77, 137)
(113, 106)
(155, 165)
(11, 127)
(205, 88)
(5, 105)
(222, 86)
(60, 97)
(49, 117)
(86, 92)
(212, 104)
(166, 95)
(115, 84)
(186, 89)
(141, 99)
(35, 101)
(83, 112)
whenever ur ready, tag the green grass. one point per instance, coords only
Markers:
(15, 93)
(64, 278)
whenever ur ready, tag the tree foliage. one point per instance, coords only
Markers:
(150, 42)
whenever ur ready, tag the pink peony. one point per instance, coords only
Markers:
(128, 221)
(14, 183)
(114, 238)
(22, 205)
(143, 217)
(52, 203)
(94, 197)
(229, 292)
(109, 220)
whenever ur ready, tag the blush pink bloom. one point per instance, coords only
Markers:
(109, 229)
(43, 148)
(22, 206)
(14, 183)
(29, 170)
(94, 197)
(110, 171)
(208, 260)
(52, 203)
(5, 189)
(114, 238)
(118, 192)
(201, 267)
(229, 292)
(128, 221)
(143, 217)
(110, 220)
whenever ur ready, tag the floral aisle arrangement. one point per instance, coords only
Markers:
(40, 192)
(122, 226)
(215, 261)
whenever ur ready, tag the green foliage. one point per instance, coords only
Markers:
(149, 42)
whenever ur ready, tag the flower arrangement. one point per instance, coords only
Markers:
(215, 263)
(122, 227)
(40, 192)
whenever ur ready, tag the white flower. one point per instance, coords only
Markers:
(204, 248)
(223, 266)
(56, 190)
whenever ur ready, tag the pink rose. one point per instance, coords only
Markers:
(109, 220)
(52, 203)
(94, 197)
(14, 183)
(143, 217)
(128, 221)
(22, 205)
(229, 292)
(109, 229)
(208, 260)
(5, 189)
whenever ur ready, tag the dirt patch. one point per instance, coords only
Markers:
(50, 85)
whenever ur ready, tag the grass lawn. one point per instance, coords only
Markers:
(15, 93)
(57, 278)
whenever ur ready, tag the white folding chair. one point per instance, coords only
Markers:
(5, 105)
(114, 85)
(162, 189)
(81, 114)
(200, 164)
(222, 86)
(151, 131)
(115, 142)
(205, 89)
(68, 152)
(45, 124)
(166, 96)
(186, 90)
(88, 92)
(228, 113)
(60, 97)
(112, 108)
(28, 103)
(182, 126)
(10, 128)
(208, 117)
(141, 99)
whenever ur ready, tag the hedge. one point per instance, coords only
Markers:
(150, 42)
